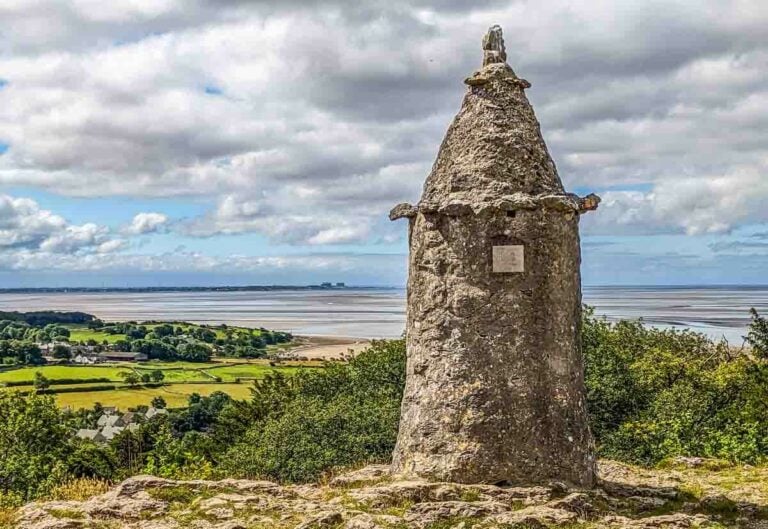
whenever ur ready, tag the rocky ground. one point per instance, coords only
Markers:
(691, 493)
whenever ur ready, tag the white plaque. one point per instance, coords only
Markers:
(508, 259)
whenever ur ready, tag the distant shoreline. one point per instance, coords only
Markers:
(331, 287)
(139, 290)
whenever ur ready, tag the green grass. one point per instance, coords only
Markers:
(110, 371)
(175, 395)
(230, 373)
(81, 333)
(177, 375)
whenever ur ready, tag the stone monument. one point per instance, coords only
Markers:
(495, 384)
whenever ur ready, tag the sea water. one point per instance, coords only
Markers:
(380, 313)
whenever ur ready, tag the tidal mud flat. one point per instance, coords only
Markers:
(357, 314)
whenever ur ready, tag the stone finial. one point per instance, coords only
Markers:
(493, 46)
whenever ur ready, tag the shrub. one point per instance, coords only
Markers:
(654, 394)
(321, 419)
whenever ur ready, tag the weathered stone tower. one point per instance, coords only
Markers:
(495, 387)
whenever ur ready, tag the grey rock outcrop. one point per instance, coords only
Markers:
(379, 501)
(495, 389)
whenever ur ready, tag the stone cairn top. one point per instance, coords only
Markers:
(493, 47)
(493, 155)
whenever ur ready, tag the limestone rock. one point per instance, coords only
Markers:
(367, 521)
(540, 516)
(414, 504)
(369, 474)
(495, 387)
(320, 520)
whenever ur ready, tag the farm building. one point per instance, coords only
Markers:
(122, 356)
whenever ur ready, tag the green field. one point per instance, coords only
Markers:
(81, 333)
(173, 371)
(230, 373)
(110, 371)
(175, 395)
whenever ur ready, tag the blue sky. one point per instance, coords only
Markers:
(174, 143)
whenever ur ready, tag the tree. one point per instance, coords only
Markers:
(62, 352)
(146, 378)
(131, 377)
(33, 445)
(758, 334)
(163, 330)
(158, 402)
(26, 352)
(89, 460)
(41, 383)
(157, 375)
(194, 352)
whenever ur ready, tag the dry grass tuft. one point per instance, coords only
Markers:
(79, 489)
(7, 517)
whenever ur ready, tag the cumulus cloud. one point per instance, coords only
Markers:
(307, 122)
(23, 223)
(26, 226)
(689, 205)
(144, 223)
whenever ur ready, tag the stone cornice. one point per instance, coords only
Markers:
(461, 204)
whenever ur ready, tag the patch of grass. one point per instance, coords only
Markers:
(8, 517)
(230, 373)
(470, 495)
(399, 509)
(178, 495)
(83, 334)
(79, 489)
(693, 490)
(175, 375)
(66, 513)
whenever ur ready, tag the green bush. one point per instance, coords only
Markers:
(312, 436)
(305, 425)
(654, 394)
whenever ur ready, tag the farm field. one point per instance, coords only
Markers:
(110, 371)
(81, 333)
(175, 395)
(230, 373)
(173, 371)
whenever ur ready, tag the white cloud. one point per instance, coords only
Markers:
(144, 223)
(23, 223)
(690, 205)
(26, 230)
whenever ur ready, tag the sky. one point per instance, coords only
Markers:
(213, 142)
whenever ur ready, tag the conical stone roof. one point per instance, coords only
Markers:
(493, 153)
